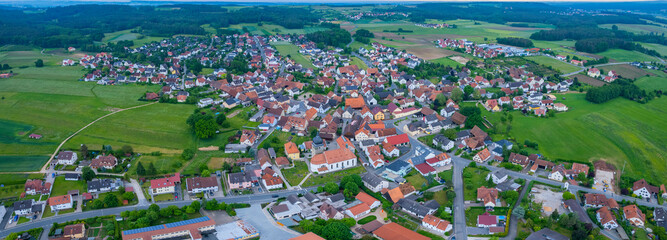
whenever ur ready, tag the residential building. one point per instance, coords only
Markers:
(74, 231)
(373, 182)
(436, 224)
(164, 185)
(26, 207)
(308, 236)
(498, 176)
(482, 156)
(546, 234)
(634, 215)
(238, 180)
(393, 231)
(67, 158)
(104, 161)
(642, 189)
(37, 186)
(201, 184)
(60, 202)
(487, 220)
(292, 151)
(191, 229)
(488, 196)
(606, 218)
(100, 185)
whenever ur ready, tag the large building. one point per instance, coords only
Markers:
(393, 231)
(201, 184)
(165, 185)
(60, 202)
(191, 229)
(333, 160)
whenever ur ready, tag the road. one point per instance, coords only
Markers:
(48, 222)
(514, 221)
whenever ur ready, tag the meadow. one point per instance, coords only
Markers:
(554, 63)
(657, 47)
(621, 55)
(619, 131)
(656, 82)
(637, 28)
(446, 61)
(287, 49)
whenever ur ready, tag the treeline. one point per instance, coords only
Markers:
(426, 70)
(363, 36)
(79, 25)
(595, 62)
(595, 40)
(518, 42)
(332, 37)
(619, 88)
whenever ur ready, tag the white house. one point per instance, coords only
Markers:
(606, 218)
(67, 158)
(436, 224)
(201, 184)
(358, 211)
(498, 176)
(333, 160)
(60, 202)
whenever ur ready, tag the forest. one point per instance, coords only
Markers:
(517, 42)
(332, 37)
(619, 88)
(594, 39)
(79, 25)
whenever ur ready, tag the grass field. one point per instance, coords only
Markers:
(617, 131)
(657, 82)
(554, 63)
(446, 61)
(22, 163)
(295, 175)
(61, 186)
(358, 62)
(416, 180)
(278, 139)
(476, 179)
(167, 163)
(272, 29)
(657, 47)
(320, 179)
(637, 28)
(625, 71)
(621, 55)
(291, 50)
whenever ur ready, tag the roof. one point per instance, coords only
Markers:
(359, 209)
(395, 194)
(606, 215)
(371, 226)
(57, 200)
(191, 225)
(393, 231)
(73, 229)
(333, 156)
(487, 219)
(436, 222)
(291, 148)
(166, 182)
(643, 184)
(201, 182)
(398, 139)
(282, 161)
(308, 236)
(632, 211)
(371, 179)
(424, 168)
(365, 198)
(355, 102)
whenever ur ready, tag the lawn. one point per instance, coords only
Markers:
(473, 178)
(357, 61)
(277, 141)
(292, 51)
(22, 163)
(657, 47)
(617, 131)
(416, 180)
(637, 28)
(446, 61)
(295, 175)
(621, 55)
(163, 197)
(555, 64)
(650, 83)
(166, 163)
(320, 179)
(473, 212)
(61, 186)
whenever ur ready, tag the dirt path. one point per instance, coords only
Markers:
(234, 114)
(84, 127)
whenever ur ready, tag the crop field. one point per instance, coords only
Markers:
(657, 47)
(272, 29)
(617, 131)
(292, 50)
(621, 55)
(554, 63)
(626, 71)
(22, 163)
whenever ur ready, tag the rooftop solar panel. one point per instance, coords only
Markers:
(168, 225)
(146, 229)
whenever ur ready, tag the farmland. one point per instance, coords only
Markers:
(625, 71)
(638, 28)
(290, 50)
(554, 63)
(656, 82)
(621, 55)
(617, 131)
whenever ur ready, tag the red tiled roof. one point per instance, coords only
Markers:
(393, 231)
(397, 139)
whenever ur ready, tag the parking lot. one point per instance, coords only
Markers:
(550, 200)
(604, 180)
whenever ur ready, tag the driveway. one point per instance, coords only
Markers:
(264, 223)
(138, 191)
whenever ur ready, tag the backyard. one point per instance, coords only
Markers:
(61, 186)
(473, 178)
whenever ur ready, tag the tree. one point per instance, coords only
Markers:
(140, 169)
(510, 196)
(110, 201)
(457, 95)
(39, 63)
(554, 215)
(98, 204)
(220, 119)
(206, 173)
(188, 154)
(129, 196)
(87, 174)
(151, 169)
(205, 128)
(568, 195)
(336, 231)
(519, 212)
(196, 205)
(351, 190)
(127, 149)
(331, 188)
(450, 133)
(451, 195)
(84, 151)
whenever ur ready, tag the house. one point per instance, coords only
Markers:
(436, 224)
(594, 72)
(26, 207)
(642, 189)
(239, 180)
(308, 236)
(358, 211)
(393, 231)
(60, 202)
(100, 185)
(191, 229)
(425, 169)
(606, 218)
(400, 168)
(329, 212)
(37, 186)
(74, 231)
(373, 182)
(443, 142)
(271, 181)
(488, 196)
(249, 137)
(546, 234)
(557, 173)
(482, 156)
(415, 208)
(634, 215)
(35, 136)
(560, 107)
(660, 217)
(104, 161)
(333, 160)
(519, 159)
(398, 140)
(597, 200)
(67, 158)
(498, 176)
(368, 200)
(487, 220)
(72, 177)
(201, 184)
(164, 185)
(292, 151)
(282, 162)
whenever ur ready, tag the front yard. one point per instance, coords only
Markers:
(474, 178)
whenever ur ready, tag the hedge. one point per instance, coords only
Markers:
(367, 219)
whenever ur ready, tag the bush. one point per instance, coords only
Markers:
(367, 219)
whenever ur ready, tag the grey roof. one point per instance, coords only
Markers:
(507, 186)
(72, 175)
(578, 210)
(97, 184)
(660, 216)
(311, 197)
(432, 204)
(462, 134)
(500, 173)
(546, 234)
(238, 177)
(441, 139)
(365, 143)
(414, 207)
(293, 199)
(336, 197)
(431, 118)
(37, 208)
(371, 179)
(279, 208)
(24, 204)
(272, 153)
(504, 143)
(398, 165)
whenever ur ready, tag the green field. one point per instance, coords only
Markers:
(476, 178)
(638, 28)
(321, 179)
(446, 61)
(272, 29)
(465, 29)
(287, 49)
(167, 163)
(61, 186)
(649, 83)
(617, 131)
(357, 61)
(295, 175)
(621, 55)
(662, 49)
(554, 63)
(22, 163)
(137, 38)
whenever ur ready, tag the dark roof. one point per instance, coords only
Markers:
(336, 197)
(371, 226)
(311, 197)
(293, 199)
(398, 165)
(371, 179)
(238, 177)
(578, 210)
(414, 207)
(98, 184)
(72, 175)
(24, 204)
